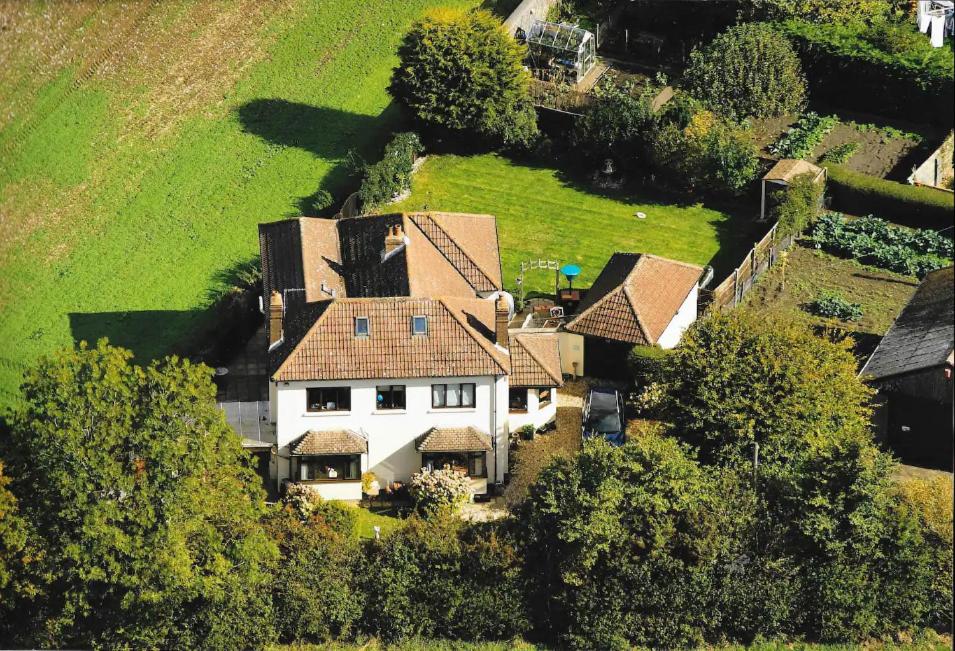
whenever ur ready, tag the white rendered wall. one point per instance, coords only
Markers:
(535, 415)
(684, 318)
(349, 491)
(391, 433)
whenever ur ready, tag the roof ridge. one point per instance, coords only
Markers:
(456, 247)
(681, 263)
(527, 350)
(481, 341)
(633, 308)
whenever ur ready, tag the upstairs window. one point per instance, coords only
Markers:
(328, 399)
(390, 397)
(452, 395)
(419, 325)
(361, 326)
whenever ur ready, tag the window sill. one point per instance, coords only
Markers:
(451, 410)
(330, 412)
(388, 412)
(517, 411)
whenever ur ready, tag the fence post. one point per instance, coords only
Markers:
(752, 263)
(736, 287)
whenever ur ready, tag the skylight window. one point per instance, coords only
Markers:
(361, 326)
(419, 325)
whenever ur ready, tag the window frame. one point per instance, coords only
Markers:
(350, 461)
(465, 460)
(389, 389)
(541, 402)
(510, 406)
(367, 322)
(414, 331)
(444, 393)
(340, 391)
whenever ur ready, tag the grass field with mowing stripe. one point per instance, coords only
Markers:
(541, 214)
(140, 145)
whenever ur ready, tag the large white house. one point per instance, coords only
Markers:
(389, 351)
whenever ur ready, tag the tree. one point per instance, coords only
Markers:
(142, 506)
(460, 71)
(749, 70)
(798, 204)
(817, 11)
(12, 534)
(618, 123)
(619, 542)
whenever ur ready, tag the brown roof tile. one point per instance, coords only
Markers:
(635, 297)
(535, 360)
(453, 439)
(468, 237)
(343, 441)
(452, 347)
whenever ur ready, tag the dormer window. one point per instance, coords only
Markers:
(361, 326)
(419, 325)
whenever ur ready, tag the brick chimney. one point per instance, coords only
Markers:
(393, 239)
(276, 313)
(500, 322)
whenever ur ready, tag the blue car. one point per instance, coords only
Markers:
(604, 416)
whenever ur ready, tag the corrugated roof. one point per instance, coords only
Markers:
(453, 439)
(635, 298)
(339, 441)
(535, 360)
(330, 349)
(922, 335)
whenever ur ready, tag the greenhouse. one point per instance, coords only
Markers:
(561, 47)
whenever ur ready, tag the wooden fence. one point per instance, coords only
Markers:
(761, 257)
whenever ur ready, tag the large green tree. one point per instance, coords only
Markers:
(460, 71)
(749, 70)
(141, 506)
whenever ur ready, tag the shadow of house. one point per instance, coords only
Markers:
(146, 333)
(330, 134)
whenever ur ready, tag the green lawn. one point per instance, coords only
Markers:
(368, 519)
(541, 214)
(139, 148)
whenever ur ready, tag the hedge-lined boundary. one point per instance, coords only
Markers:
(846, 70)
(911, 205)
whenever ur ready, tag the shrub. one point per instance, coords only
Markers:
(314, 589)
(840, 153)
(817, 11)
(798, 204)
(436, 491)
(461, 71)
(856, 67)
(645, 363)
(874, 241)
(749, 70)
(323, 199)
(861, 194)
(618, 123)
(390, 176)
(832, 305)
(527, 432)
(803, 137)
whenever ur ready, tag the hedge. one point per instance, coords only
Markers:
(846, 68)
(911, 205)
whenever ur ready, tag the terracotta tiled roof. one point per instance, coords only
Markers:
(635, 298)
(435, 228)
(453, 439)
(789, 168)
(329, 349)
(535, 360)
(341, 441)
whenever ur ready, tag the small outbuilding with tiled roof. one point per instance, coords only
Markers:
(783, 173)
(535, 378)
(912, 370)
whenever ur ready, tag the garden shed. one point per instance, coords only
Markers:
(783, 173)
(563, 47)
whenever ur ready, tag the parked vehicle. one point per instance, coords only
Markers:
(604, 415)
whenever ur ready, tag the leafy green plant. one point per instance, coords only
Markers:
(436, 491)
(874, 241)
(832, 305)
(840, 153)
(886, 132)
(804, 136)
(798, 204)
(390, 176)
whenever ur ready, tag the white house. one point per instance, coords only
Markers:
(389, 350)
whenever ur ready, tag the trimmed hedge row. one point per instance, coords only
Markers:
(845, 67)
(911, 205)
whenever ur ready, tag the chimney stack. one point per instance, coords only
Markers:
(276, 313)
(500, 321)
(393, 239)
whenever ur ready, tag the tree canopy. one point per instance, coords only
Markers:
(142, 508)
(749, 70)
(460, 71)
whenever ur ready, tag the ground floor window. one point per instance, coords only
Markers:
(544, 397)
(329, 467)
(471, 464)
(517, 399)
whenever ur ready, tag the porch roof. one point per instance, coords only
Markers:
(342, 441)
(453, 439)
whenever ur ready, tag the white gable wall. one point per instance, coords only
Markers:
(684, 318)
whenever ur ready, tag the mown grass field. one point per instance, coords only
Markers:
(141, 143)
(543, 214)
